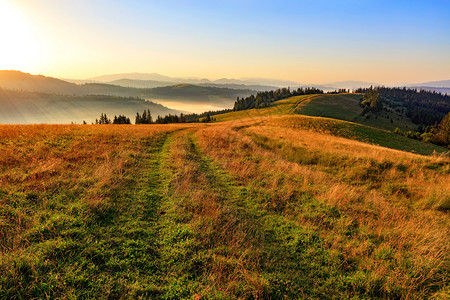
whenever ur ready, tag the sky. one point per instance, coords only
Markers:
(308, 41)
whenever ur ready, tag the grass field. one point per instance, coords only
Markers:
(274, 207)
(282, 107)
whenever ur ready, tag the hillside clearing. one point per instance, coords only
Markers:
(346, 107)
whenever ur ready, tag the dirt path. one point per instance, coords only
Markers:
(208, 239)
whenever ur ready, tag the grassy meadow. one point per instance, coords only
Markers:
(346, 107)
(264, 204)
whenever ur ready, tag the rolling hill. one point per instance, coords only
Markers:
(338, 115)
(346, 107)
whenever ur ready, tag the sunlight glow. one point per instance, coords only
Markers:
(19, 46)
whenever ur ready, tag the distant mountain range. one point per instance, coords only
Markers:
(152, 80)
(219, 96)
(441, 86)
(192, 80)
(436, 84)
(26, 98)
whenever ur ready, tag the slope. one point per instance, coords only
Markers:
(332, 108)
(346, 107)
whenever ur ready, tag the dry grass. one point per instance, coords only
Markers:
(261, 208)
(224, 237)
(400, 237)
(46, 160)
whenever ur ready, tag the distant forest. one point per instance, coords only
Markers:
(423, 107)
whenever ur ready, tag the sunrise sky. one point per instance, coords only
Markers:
(315, 41)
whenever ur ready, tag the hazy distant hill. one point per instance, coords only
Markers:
(79, 81)
(133, 76)
(197, 81)
(187, 93)
(351, 84)
(439, 84)
(194, 93)
(23, 81)
(255, 87)
(140, 84)
(272, 82)
(20, 107)
(443, 90)
(143, 84)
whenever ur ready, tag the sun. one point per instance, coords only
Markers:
(19, 48)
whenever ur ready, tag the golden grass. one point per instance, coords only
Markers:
(224, 236)
(48, 158)
(405, 218)
(381, 213)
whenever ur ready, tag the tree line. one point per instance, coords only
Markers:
(146, 118)
(192, 118)
(422, 107)
(265, 99)
(117, 120)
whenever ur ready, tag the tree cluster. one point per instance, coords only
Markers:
(265, 99)
(371, 101)
(196, 117)
(121, 120)
(339, 91)
(439, 135)
(422, 107)
(442, 136)
(145, 118)
(171, 119)
(103, 119)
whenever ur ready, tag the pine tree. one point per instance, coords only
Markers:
(137, 120)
